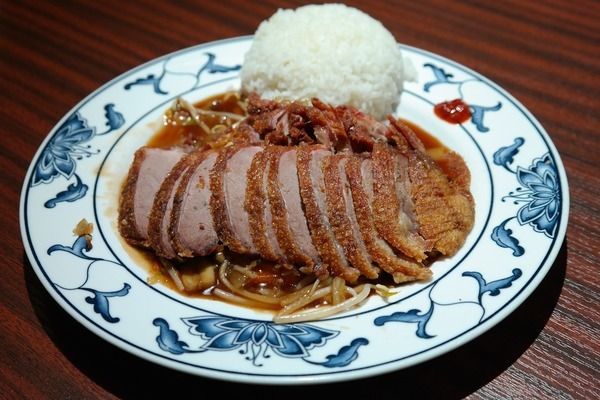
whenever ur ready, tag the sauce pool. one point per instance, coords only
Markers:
(179, 130)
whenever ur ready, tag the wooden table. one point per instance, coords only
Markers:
(547, 54)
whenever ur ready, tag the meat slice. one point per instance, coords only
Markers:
(401, 268)
(258, 208)
(149, 168)
(218, 202)
(234, 187)
(312, 190)
(392, 205)
(160, 216)
(445, 212)
(191, 229)
(342, 218)
(443, 204)
(296, 250)
(289, 187)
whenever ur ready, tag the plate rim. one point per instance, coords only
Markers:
(328, 376)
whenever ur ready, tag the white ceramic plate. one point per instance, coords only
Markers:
(518, 182)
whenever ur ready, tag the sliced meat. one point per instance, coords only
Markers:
(392, 206)
(312, 190)
(234, 186)
(191, 229)
(456, 170)
(444, 211)
(258, 208)
(342, 218)
(287, 176)
(218, 202)
(290, 245)
(443, 204)
(160, 216)
(149, 168)
(401, 268)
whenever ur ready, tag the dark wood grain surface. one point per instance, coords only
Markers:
(547, 54)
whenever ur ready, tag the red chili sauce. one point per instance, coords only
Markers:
(453, 111)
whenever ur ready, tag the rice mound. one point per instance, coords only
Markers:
(336, 53)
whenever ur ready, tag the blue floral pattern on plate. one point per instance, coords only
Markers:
(66, 147)
(105, 287)
(422, 318)
(539, 193)
(477, 111)
(256, 339)
(99, 299)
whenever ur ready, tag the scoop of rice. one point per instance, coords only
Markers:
(334, 52)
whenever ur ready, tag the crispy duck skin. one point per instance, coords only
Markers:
(401, 268)
(257, 206)
(127, 224)
(191, 229)
(218, 203)
(324, 189)
(342, 216)
(160, 215)
(149, 168)
(443, 205)
(312, 185)
(234, 186)
(286, 241)
(389, 204)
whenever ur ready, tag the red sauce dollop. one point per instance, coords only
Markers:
(454, 111)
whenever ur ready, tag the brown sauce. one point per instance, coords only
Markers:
(428, 140)
(180, 131)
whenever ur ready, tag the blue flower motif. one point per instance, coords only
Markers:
(58, 158)
(542, 196)
(287, 340)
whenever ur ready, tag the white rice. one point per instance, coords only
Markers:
(336, 53)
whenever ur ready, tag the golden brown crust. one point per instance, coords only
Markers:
(279, 212)
(322, 236)
(402, 269)
(218, 203)
(159, 207)
(182, 191)
(457, 171)
(254, 205)
(387, 208)
(339, 217)
(444, 211)
(127, 225)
